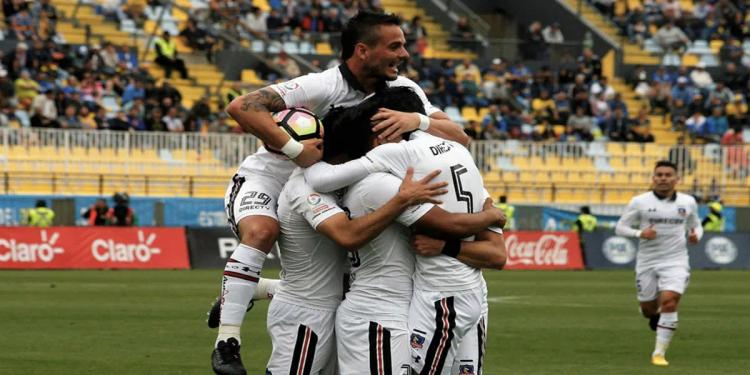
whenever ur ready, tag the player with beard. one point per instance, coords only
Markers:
(373, 46)
(449, 299)
(666, 220)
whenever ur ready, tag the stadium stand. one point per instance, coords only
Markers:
(99, 74)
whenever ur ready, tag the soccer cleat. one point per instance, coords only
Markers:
(659, 360)
(214, 315)
(654, 321)
(226, 360)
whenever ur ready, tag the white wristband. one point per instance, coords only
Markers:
(292, 148)
(638, 233)
(424, 122)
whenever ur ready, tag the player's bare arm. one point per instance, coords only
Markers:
(253, 113)
(486, 251)
(394, 123)
(443, 224)
(353, 234)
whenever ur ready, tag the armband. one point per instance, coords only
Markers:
(452, 248)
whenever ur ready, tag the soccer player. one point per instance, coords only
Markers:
(373, 45)
(665, 219)
(313, 231)
(449, 297)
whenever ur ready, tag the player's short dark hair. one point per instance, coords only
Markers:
(349, 130)
(666, 163)
(503, 199)
(363, 27)
(41, 203)
(586, 210)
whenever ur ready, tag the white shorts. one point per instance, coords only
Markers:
(371, 347)
(302, 338)
(249, 196)
(438, 323)
(470, 356)
(654, 280)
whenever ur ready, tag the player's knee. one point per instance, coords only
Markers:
(259, 235)
(669, 305)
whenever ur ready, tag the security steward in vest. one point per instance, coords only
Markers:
(586, 222)
(41, 216)
(715, 221)
(166, 56)
(508, 210)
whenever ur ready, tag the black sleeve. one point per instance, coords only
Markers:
(704, 222)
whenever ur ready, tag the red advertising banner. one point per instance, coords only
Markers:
(543, 251)
(93, 248)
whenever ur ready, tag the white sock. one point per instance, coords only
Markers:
(664, 331)
(227, 331)
(266, 289)
(240, 280)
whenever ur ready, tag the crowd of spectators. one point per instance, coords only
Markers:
(707, 20)
(707, 104)
(44, 83)
(566, 104)
(705, 108)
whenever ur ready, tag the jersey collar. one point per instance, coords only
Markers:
(352, 80)
(661, 198)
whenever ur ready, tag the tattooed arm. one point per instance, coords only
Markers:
(253, 113)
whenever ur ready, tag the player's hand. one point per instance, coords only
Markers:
(311, 154)
(648, 233)
(427, 246)
(692, 237)
(394, 123)
(422, 191)
(491, 209)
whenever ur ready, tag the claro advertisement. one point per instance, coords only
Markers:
(93, 248)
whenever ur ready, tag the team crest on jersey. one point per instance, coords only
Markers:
(682, 211)
(417, 341)
(466, 370)
(313, 199)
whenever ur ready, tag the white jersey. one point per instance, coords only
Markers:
(671, 218)
(337, 86)
(312, 265)
(381, 273)
(317, 92)
(466, 194)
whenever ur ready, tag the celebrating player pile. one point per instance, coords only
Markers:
(663, 216)
(371, 326)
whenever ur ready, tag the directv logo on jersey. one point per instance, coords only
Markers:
(440, 148)
(417, 341)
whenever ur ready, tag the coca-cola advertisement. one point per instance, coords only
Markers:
(93, 248)
(543, 251)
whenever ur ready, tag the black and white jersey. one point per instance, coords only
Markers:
(312, 265)
(672, 218)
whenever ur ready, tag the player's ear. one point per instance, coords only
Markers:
(361, 51)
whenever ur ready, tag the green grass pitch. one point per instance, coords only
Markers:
(152, 322)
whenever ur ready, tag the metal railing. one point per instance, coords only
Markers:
(189, 162)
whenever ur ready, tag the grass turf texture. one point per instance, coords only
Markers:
(152, 322)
